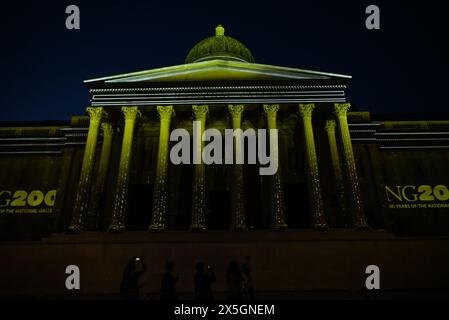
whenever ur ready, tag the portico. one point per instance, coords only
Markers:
(221, 82)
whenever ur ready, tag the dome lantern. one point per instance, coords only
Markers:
(219, 30)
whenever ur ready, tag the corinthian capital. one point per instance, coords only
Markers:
(130, 113)
(330, 126)
(236, 110)
(165, 112)
(200, 112)
(270, 110)
(95, 114)
(305, 110)
(107, 128)
(341, 109)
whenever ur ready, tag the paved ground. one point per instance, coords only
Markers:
(297, 264)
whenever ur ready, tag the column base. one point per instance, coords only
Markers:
(320, 227)
(156, 228)
(239, 229)
(74, 229)
(116, 228)
(279, 227)
(361, 225)
(197, 228)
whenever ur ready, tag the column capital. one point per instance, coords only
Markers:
(96, 113)
(131, 113)
(341, 109)
(270, 110)
(107, 128)
(330, 126)
(305, 110)
(236, 110)
(165, 112)
(200, 112)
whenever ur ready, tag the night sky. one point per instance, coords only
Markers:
(401, 68)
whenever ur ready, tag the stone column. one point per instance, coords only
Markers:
(338, 173)
(238, 214)
(100, 182)
(199, 207)
(84, 184)
(341, 110)
(121, 192)
(277, 195)
(160, 203)
(313, 175)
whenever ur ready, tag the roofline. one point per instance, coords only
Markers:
(217, 61)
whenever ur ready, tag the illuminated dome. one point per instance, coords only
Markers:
(219, 47)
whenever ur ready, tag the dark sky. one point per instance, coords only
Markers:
(400, 69)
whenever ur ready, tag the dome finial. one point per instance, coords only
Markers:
(219, 30)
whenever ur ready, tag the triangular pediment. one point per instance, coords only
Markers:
(217, 70)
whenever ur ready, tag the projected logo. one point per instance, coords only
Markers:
(24, 201)
(417, 197)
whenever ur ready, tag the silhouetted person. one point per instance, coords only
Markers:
(130, 288)
(234, 281)
(168, 284)
(247, 283)
(203, 279)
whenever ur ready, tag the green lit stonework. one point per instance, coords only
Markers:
(313, 176)
(277, 195)
(199, 206)
(219, 46)
(238, 214)
(338, 174)
(82, 197)
(359, 220)
(160, 202)
(121, 194)
(103, 168)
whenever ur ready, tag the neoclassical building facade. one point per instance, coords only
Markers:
(219, 80)
(110, 169)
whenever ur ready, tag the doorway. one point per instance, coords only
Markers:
(297, 205)
(220, 210)
(140, 206)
